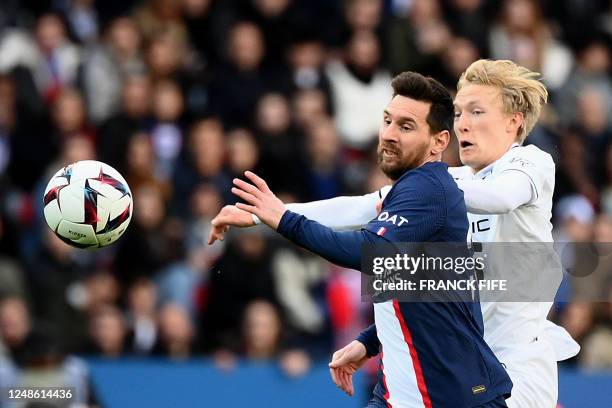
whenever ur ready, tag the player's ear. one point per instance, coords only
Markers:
(517, 120)
(440, 142)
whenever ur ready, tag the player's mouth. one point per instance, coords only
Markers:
(389, 153)
(465, 145)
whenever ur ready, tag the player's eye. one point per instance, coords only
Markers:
(477, 112)
(387, 121)
(457, 114)
(406, 128)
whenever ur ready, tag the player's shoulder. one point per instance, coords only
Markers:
(461, 172)
(428, 174)
(424, 179)
(529, 155)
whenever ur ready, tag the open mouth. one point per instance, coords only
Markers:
(465, 144)
(388, 152)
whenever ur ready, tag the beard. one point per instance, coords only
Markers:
(395, 166)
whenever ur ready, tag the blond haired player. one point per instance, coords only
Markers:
(508, 191)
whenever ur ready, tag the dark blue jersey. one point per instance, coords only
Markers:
(433, 354)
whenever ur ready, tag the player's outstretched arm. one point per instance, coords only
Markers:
(338, 213)
(342, 248)
(342, 213)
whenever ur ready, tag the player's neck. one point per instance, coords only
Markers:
(498, 156)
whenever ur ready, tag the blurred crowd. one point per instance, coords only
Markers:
(181, 96)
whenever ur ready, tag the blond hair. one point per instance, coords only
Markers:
(521, 89)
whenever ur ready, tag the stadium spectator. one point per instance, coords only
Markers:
(107, 333)
(12, 278)
(69, 116)
(324, 168)
(166, 131)
(241, 74)
(107, 65)
(221, 320)
(279, 145)
(146, 248)
(591, 71)
(309, 106)
(262, 331)
(160, 16)
(82, 19)
(141, 316)
(469, 19)
(206, 201)
(416, 37)
(243, 151)
(53, 276)
(33, 352)
(202, 161)
(523, 35)
(306, 56)
(176, 333)
(205, 21)
(101, 288)
(133, 117)
(359, 86)
(16, 329)
(586, 144)
(57, 58)
(140, 165)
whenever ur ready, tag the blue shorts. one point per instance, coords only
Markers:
(499, 402)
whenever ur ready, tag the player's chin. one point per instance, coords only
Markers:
(468, 157)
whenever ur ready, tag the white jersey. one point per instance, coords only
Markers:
(508, 325)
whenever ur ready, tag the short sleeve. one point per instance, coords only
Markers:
(413, 211)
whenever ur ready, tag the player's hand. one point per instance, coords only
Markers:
(261, 201)
(229, 215)
(345, 362)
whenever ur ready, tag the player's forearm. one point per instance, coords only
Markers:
(340, 213)
(369, 338)
(340, 247)
(497, 196)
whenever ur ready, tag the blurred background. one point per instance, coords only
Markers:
(183, 95)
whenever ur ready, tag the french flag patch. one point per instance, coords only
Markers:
(381, 231)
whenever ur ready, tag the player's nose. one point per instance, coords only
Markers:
(389, 134)
(462, 124)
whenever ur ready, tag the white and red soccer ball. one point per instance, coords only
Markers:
(88, 204)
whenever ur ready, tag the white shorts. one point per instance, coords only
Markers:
(533, 371)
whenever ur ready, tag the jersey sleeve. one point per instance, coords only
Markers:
(497, 196)
(342, 213)
(413, 211)
(536, 164)
(369, 338)
(340, 247)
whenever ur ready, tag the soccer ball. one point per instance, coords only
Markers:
(88, 204)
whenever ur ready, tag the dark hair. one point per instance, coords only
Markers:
(426, 89)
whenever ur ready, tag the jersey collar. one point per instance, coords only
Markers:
(483, 173)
